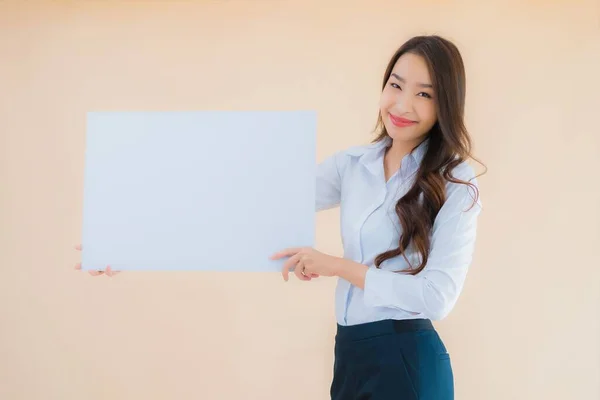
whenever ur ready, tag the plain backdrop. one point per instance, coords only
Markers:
(527, 325)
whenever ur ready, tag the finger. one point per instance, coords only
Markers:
(285, 253)
(91, 272)
(307, 274)
(110, 272)
(298, 271)
(291, 262)
(288, 265)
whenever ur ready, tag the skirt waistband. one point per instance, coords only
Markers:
(379, 328)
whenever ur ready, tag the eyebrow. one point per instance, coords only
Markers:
(423, 85)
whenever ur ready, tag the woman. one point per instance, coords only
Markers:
(408, 207)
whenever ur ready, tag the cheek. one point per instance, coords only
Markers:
(386, 101)
(427, 113)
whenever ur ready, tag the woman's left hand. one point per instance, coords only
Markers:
(307, 263)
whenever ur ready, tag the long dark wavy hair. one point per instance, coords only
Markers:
(449, 145)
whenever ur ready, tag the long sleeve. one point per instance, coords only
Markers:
(329, 182)
(434, 291)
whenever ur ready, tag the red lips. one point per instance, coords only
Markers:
(401, 122)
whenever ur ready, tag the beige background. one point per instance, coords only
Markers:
(528, 323)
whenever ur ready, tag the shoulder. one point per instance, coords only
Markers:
(464, 172)
(465, 195)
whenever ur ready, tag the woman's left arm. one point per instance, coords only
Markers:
(434, 291)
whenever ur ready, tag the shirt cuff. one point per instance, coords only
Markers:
(393, 290)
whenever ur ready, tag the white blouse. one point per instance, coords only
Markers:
(354, 180)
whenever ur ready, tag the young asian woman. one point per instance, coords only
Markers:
(409, 205)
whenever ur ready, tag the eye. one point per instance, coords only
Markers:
(427, 95)
(395, 85)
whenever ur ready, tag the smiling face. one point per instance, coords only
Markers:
(407, 102)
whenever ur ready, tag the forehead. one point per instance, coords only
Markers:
(412, 68)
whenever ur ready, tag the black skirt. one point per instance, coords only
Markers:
(391, 359)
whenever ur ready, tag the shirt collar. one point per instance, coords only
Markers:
(419, 152)
(371, 155)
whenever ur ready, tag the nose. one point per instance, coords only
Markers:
(404, 102)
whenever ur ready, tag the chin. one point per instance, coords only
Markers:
(403, 134)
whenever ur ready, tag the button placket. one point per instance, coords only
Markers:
(358, 242)
(378, 203)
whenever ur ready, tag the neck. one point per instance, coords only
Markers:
(395, 153)
(398, 150)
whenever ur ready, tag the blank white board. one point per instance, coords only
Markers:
(197, 190)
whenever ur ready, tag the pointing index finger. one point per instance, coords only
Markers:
(285, 253)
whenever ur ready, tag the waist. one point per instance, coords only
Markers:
(379, 328)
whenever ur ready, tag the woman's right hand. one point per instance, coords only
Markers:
(108, 271)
